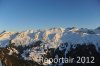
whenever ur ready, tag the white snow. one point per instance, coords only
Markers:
(12, 50)
(52, 38)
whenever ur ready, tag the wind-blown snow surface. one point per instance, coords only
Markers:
(51, 38)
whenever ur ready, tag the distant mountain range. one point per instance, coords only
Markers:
(27, 46)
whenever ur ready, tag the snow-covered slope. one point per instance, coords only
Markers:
(72, 35)
(32, 44)
(6, 37)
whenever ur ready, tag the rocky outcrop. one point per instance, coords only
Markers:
(14, 59)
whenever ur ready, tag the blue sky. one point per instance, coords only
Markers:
(17, 15)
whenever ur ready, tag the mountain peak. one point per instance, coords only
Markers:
(73, 35)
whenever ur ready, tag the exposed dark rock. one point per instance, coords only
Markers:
(81, 50)
(14, 59)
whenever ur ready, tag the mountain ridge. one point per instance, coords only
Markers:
(28, 46)
(73, 35)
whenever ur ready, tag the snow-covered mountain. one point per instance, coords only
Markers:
(71, 35)
(32, 44)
